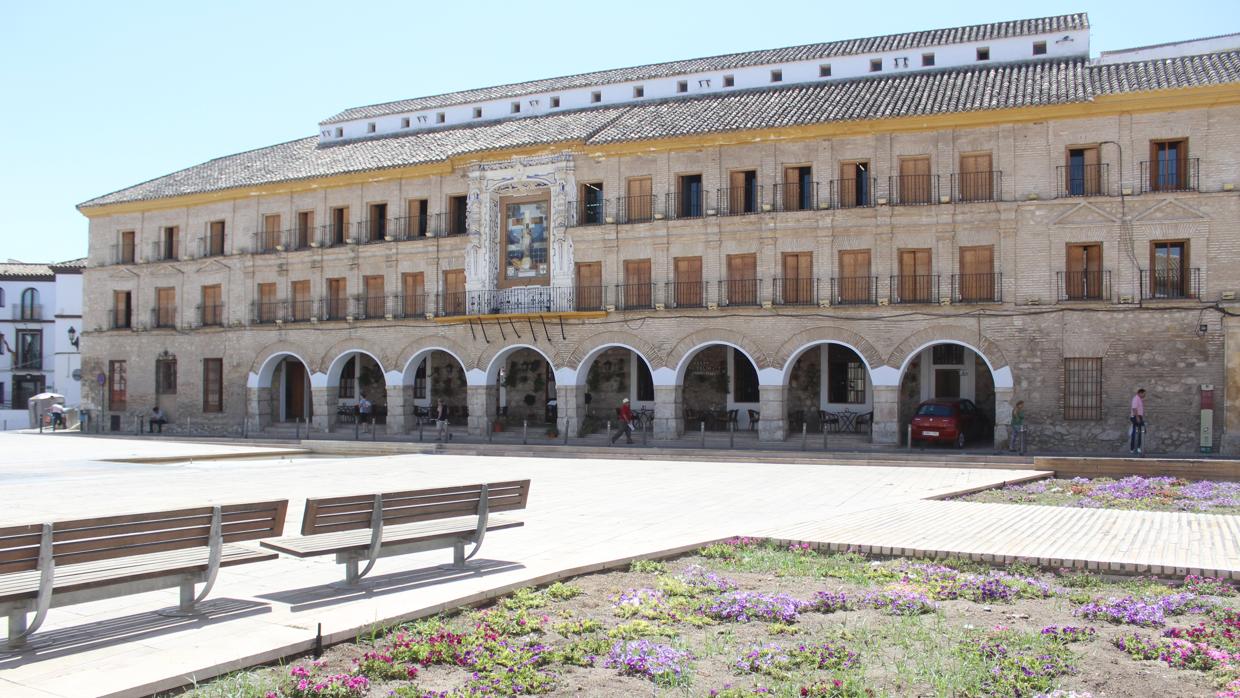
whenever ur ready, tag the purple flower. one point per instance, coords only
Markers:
(745, 606)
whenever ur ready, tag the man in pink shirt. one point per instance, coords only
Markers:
(1137, 417)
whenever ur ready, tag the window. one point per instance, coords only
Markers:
(777, 76)
(117, 387)
(29, 353)
(416, 218)
(742, 196)
(639, 201)
(212, 310)
(975, 181)
(845, 376)
(370, 127)
(1083, 276)
(915, 183)
(687, 285)
(376, 227)
(373, 306)
(645, 381)
(637, 285)
(744, 379)
(170, 242)
(742, 283)
(639, 91)
(592, 203)
(127, 245)
(477, 112)
(215, 238)
(1084, 171)
(419, 382)
(947, 355)
(340, 225)
(346, 389)
(797, 285)
(798, 188)
(339, 132)
(1082, 388)
(927, 59)
(26, 387)
(555, 102)
(983, 53)
(1169, 271)
(305, 229)
(682, 86)
(855, 283)
(916, 284)
(165, 307)
(454, 292)
(515, 108)
(1169, 165)
(876, 64)
(689, 193)
(457, 207)
(268, 306)
(270, 239)
(729, 81)
(302, 307)
(166, 376)
(337, 299)
(1, 306)
(596, 97)
(212, 385)
(440, 117)
(1039, 48)
(122, 314)
(976, 282)
(853, 188)
(413, 294)
(824, 70)
(588, 295)
(30, 308)
(404, 122)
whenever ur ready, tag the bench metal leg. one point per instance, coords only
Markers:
(351, 575)
(458, 555)
(17, 629)
(186, 604)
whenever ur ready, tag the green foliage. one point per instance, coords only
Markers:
(635, 629)
(782, 629)
(583, 626)
(648, 567)
(583, 652)
(523, 599)
(562, 592)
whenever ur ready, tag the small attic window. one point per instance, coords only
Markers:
(777, 76)
(639, 91)
(682, 85)
(440, 118)
(983, 53)
(370, 127)
(824, 70)
(477, 112)
(1039, 48)
(927, 60)
(596, 97)
(404, 122)
(516, 107)
(729, 81)
(876, 64)
(555, 102)
(339, 132)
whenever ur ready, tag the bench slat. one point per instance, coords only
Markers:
(353, 512)
(403, 515)
(309, 546)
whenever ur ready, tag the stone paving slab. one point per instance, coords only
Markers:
(583, 515)
(1107, 540)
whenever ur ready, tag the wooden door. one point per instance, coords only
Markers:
(914, 181)
(742, 279)
(271, 232)
(337, 298)
(1083, 272)
(637, 283)
(413, 293)
(688, 282)
(127, 242)
(373, 286)
(589, 292)
(267, 302)
(301, 310)
(792, 189)
(121, 316)
(118, 387)
(854, 284)
(165, 306)
(305, 229)
(1093, 171)
(215, 238)
(737, 198)
(212, 305)
(977, 273)
(976, 182)
(798, 281)
(640, 206)
(454, 291)
(915, 285)
(295, 388)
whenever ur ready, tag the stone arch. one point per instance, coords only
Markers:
(686, 347)
(373, 349)
(683, 364)
(588, 349)
(336, 364)
(267, 358)
(990, 352)
(798, 343)
(414, 351)
(493, 361)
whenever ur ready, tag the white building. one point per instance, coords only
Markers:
(40, 321)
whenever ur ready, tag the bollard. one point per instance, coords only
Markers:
(525, 428)
(421, 436)
(803, 434)
(824, 437)
(372, 431)
(645, 431)
(731, 436)
(703, 423)
(357, 425)
(567, 423)
(909, 442)
(491, 433)
(609, 430)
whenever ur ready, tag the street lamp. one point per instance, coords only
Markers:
(73, 338)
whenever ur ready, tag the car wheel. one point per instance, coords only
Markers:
(960, 439)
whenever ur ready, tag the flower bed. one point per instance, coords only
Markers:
(1134, 492)
(745, 618)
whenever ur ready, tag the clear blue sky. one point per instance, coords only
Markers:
(97, 96)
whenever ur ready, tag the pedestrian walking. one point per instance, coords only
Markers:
(363, 410)
(1137, 418)
(157, 420)
(441, 422)
(1018, 426)
(57, 411)
(626, 422)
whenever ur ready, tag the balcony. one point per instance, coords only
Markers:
(373, 230)
(913, 190)
(211, 315)
(164, 317)
(336, 308)
(857, 192)
(587, 212)
(794, 197)
(120, 319)
(123, 254)
(409, 307)
(798, 291)
(914, 288)
(685, 294)
(589, 298)
(740, 293)
(27, 312)
(211, 247)
(301, 310)
(854, 290)
(968, 187)
(269, 241)
(163, 251)
(1083, 285)
(1083, 180)
(268, 312)
(332, 235)
(29, 361)
(409, 227)
(1170, 175)
(368, 307)
(638, 209)
(977, 288)
(739, 201)
(1169, 284)
(686, 204)
(635, 296)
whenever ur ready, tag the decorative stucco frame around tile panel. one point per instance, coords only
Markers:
(488, 182)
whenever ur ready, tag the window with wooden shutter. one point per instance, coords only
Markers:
(1169, 269)
(637, 288)
(215, 238)
(118, 387)
(376, 223)
(1084, 171)
(337, 299)
(412, 294)
(742, 195)
(914, 185)
(340, 225)
(171, 246)
(127, 247)
(212, 385)
(798, 287)
(916, 285)
(372, 303)
(271, 233)
(855, 283)
(687, 286)
(165, 306)
(798, 188)
(212, 312)
(589, 292)
(267, 310)
(458, 207)
(305, 229)
(1083, 275)
(975, 181)
(1169, 165)
(742, 279)
(166, 376)
(122, 312)
(591, 207)
(415, 218)
(639, 199)
(976, 281)
(454, 291)
(303, 305)
(853, 188)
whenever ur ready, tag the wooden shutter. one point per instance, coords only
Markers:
(301, 300)
(454, 291)
(637, 283)
(914, 180)
(589, 292)
(373, 286)
(305, 229)
(847, 186)
(413, 294)
(1092, 174)
(977, 279)
(212, 385)
(688, 281)
(267, 293)
(640, 200)
(742, 279)
(798, 277)
(915, 282)
(120, 309)
(853, 286)
(792, 188)
(1083, 276)
(271, 231)
(118, 386)
(267, 302)
(165, 298)
(976, 182)
(336, 298)
(736, 192)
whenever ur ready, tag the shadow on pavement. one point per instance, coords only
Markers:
(328, 594)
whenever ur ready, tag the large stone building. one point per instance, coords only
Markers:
(40, 326)
(796, 239)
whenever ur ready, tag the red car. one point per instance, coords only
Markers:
(945, 420)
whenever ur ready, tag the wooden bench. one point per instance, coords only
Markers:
(370, 526)
(69, 562)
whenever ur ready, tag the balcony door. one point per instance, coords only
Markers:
(914, 180)
(454, 291)
(976, 180)
(915, 281)
(977, 273)
(637, 283)
(589, 295)
(854, 283)
(1169, 269)
(1083, 275)
(798, 278)
(639, 204)
(412, 290)
(742, 279)
(688, 272)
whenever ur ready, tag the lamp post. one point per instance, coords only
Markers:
(73, 338)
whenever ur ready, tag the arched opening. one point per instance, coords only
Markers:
(719, 389)
(612, 374)
(30, 305)
(524, 383)
(285, 379)
(948, 371)
(431, 376)
(354, 375)
(828, 387)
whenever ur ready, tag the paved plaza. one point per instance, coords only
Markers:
(583, 515)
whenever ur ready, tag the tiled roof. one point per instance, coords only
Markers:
(19, 270)
(846, 47)
(950, 90)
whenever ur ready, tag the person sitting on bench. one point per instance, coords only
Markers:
(157, 419)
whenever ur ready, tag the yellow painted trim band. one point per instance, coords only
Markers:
(571, 315)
